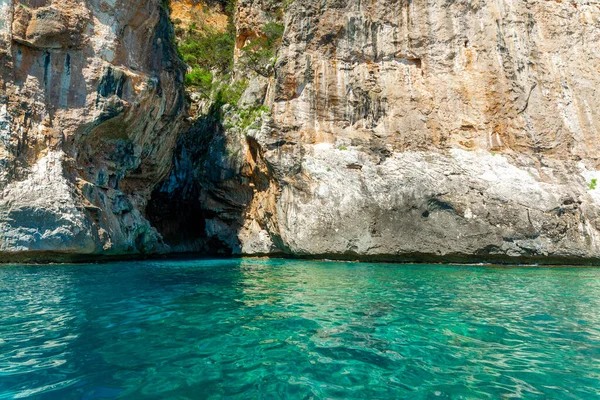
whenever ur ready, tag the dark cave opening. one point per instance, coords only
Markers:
(181, 222)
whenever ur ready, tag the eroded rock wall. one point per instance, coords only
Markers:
(91, 102)
(389, 130)
(432, 130)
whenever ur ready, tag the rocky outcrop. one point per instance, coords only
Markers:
(438, 130)
(90, 104)
(449, 131)
(386, 130)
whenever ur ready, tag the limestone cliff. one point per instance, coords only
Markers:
(405, 129)
(411, 130)
(390, 129)
(90, 104)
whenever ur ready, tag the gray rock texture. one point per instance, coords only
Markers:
(431, 130)
(91, 100)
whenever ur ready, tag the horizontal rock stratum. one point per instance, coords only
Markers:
(385, 130)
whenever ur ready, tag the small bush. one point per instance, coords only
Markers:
(260, 51)
(200, 79)
(273, 31)
(208, 50)
(249, 116)
(593, 184)
(231, 94)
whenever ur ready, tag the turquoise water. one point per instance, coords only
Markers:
(246, 329)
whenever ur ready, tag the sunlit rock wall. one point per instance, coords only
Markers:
(397, 130)
(432, 130)
(90, 104)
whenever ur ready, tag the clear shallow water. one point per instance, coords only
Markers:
(295, 329)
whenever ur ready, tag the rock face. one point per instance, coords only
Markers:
(90, 104)
(424, 130)
(397, 130)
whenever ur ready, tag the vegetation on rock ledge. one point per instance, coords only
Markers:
(259, 52)
(209, 51)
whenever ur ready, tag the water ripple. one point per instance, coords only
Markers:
(272, 329)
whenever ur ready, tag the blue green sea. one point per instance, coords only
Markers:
(271, 329)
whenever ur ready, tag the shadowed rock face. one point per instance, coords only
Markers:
(90, 107)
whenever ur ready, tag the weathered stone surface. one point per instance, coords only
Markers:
(398, 130)
(41, 213)
(52, 27)
(466, 124)
(423, 129)
(91, 101)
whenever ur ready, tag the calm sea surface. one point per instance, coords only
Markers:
(248, 329)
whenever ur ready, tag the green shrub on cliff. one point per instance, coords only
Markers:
(231, 94)
(273, 32)
(206, 50)
(200, 79)
(245, 117)
(209, 50)
(259, 52)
